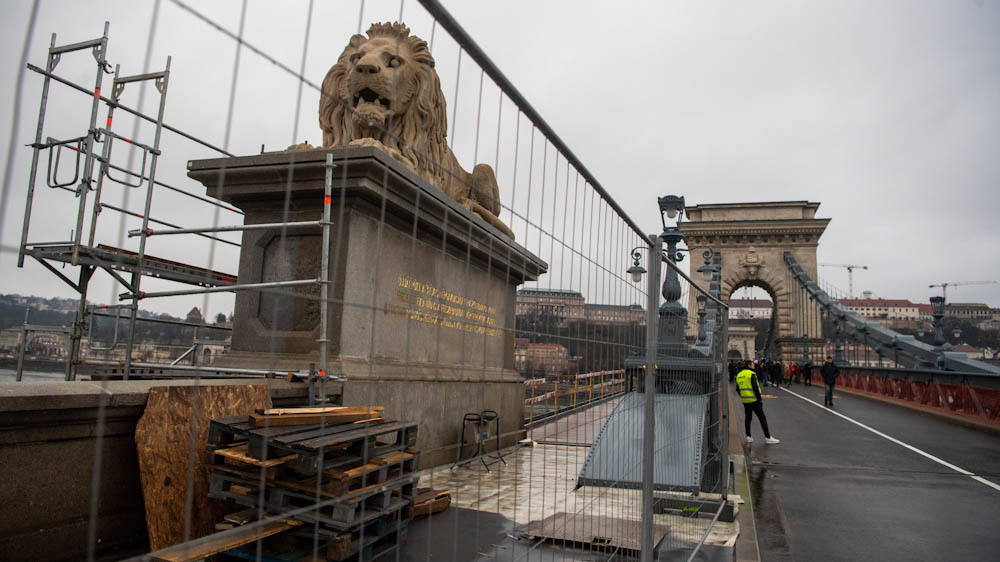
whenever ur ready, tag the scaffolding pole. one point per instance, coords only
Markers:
(324, 278)
(230, 228)
(99, 49)
(222, 289)
(161, 81)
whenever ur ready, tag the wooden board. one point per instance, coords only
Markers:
(429, 501)
(171, 436)
(239, 454)
(223, 542)
(324, 410)
(335, 418)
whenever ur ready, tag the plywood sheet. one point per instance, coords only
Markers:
(171, 439)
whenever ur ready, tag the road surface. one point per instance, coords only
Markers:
(871, 481)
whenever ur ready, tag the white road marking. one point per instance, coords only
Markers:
(957, 469)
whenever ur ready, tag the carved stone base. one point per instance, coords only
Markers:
(421, 315)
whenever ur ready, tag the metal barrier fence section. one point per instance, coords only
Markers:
(467, 324)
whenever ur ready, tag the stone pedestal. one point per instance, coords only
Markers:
(422, 290)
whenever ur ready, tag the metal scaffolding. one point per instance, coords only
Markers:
(92, 166)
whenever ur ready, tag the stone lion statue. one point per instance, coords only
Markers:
(384, 92)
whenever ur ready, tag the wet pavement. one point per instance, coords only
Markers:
(489, 507)
(833, 490)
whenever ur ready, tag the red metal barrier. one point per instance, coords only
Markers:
(962, 399)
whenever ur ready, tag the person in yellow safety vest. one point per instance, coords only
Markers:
(746, 382)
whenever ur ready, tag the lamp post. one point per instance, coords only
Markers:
(672, 315)
(702, 299)
(938, 304)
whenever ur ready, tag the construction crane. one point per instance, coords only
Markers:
(850, 274)
(944, 286)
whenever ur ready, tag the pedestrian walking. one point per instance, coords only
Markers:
(830, 371)
(776, 372)
(807, 373)
(753, 403)
(758, 367)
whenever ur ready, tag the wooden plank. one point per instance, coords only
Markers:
(429, 501)
(347, 437)
(239, 453)
(324, 410)
(291, 436)
(373, 464)
(174, 415)
(223, 542)
(243, 517)
(263, 420)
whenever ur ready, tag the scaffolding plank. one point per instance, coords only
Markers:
(615, 459)
(127, 260)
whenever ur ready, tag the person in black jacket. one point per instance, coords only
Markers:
(776, 372)
(830, 372)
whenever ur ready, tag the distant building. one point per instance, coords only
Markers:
(557, 303)
(613, 314)
(972, 352)
(984, 317)
(971, 311)
(566, 306)
(749, 309)
(10, 340)
(925, 312)
(891, 313)
(540, 359)
(194, 316)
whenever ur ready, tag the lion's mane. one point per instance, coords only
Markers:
(419, 134)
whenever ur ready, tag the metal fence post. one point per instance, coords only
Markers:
(723, 346)
(649, 414)
(531, 413)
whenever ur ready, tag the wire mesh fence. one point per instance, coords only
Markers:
(434, 299)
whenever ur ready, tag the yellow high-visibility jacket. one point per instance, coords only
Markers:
(746, 380)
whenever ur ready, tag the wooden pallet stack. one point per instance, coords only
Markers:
(345, 472)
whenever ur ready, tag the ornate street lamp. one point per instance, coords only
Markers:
(938, 304)
(636, 271)
(701, 299)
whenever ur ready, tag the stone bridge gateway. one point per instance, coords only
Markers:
(752, 239)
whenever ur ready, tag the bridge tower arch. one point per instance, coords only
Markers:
(751, 239)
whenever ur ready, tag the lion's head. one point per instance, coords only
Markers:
(384, 87)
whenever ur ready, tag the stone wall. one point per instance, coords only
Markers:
(52, 435)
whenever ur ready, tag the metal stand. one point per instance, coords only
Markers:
(481, 423)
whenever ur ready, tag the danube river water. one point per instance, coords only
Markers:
(10, 375)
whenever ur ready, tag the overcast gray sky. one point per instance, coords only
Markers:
(888, 113)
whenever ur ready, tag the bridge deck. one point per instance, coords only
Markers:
(833, 490)
(539, 482)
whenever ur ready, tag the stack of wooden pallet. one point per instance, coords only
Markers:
(346, 472)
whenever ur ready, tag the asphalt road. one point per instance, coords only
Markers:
(833, 490)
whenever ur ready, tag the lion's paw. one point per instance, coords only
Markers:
(300, 146)
(370, 142)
